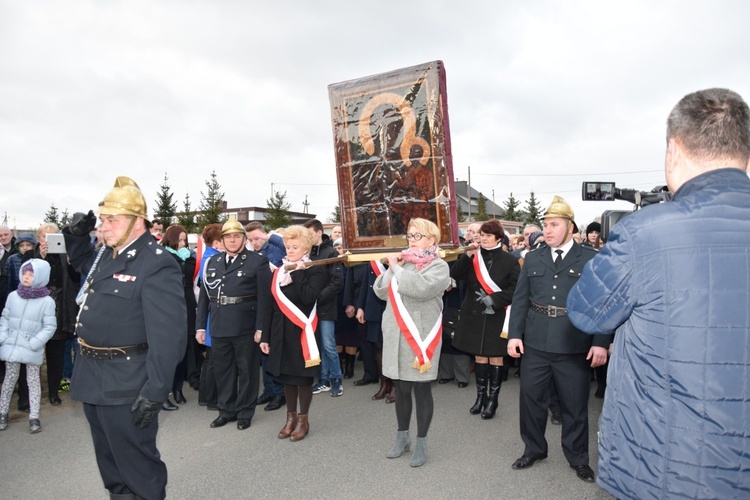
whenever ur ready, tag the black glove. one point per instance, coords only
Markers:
(144, 412)
(82, 224)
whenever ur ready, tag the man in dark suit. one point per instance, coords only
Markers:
(131, 333)
(236, 291)
(552, 347)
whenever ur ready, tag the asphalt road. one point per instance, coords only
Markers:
(342, 457)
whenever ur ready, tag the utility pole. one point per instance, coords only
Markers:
(494, 215)
(305, 204)
(468, 192)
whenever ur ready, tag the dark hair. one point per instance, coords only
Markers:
(157, 221)
(211, 233)
(314, 224)
(171, 237)
(252, 226)
(712, 124)
(493, 227)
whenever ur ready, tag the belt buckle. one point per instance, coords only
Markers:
(552, 311)
(222, 300)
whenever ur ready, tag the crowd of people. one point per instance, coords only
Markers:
(147, 313)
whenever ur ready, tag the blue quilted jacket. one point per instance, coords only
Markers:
(673, 281)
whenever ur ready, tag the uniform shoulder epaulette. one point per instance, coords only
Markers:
(587, 248)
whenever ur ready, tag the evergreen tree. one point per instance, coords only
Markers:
(186, 218)
(336, 214)
(211, 206)
(52, 216)
(166, 207)
(510, 209)
(277, 214)
(481, 214)
(460, 215)
(65, 218)
(533, 211)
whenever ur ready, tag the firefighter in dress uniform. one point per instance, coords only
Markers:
(131, 333)
(236, 292)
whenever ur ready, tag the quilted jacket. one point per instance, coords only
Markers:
(27, 324)
(673, 280)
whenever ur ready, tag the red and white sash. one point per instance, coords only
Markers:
(377, 267)
(483, 275)
(423, 349)
(308, 324)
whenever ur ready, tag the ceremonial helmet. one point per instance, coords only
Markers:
(559, 208)
(232, 226)
(124, 199)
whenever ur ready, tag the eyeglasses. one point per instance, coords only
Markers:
(415, 236)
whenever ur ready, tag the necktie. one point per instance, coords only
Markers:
(558, 259)
(230, 260)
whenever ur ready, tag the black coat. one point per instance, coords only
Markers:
(248, 276)
(478, 333)
(334, 280)
(132, 299)
(541, 282)
(284, 337)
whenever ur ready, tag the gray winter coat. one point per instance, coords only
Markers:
(422, 293)
(27, 324)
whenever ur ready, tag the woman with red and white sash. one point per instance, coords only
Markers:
(490, 274)
(293, 354)
(413, 288)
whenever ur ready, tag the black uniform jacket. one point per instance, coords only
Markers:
(249, 276)
(541, 282)
(135, 298)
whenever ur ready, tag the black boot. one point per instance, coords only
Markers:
(496, 379)
(480, 372)
(349, 365)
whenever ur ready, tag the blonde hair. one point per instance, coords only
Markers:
(47, 227)
(426, 227)
(301, 233)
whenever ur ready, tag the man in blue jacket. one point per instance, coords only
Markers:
(672, 281)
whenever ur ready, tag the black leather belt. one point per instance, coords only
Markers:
(110, 352)
(551, 311)
(224, 300)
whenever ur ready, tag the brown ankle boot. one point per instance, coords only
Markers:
(291, 423)
(391, 394)
(302, 428)
(385, 384)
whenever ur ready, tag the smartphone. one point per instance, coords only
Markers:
(56, 243)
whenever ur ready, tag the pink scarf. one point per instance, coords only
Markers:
(420, 257)
(284, 276)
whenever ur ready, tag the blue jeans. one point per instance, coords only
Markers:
(71, 351)
(330, 366)
(270, 386)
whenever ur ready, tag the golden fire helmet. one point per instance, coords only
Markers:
(124, 199)
(232, 226)
(559, 208)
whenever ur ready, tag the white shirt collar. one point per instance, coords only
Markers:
(565, 249)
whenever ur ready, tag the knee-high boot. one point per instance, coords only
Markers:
(480, 372)
(496, 378)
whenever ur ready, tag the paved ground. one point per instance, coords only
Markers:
(342, 457)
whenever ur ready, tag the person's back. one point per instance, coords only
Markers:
(672, 281)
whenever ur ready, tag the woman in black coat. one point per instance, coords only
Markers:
(175, 241)
(64, 283)
(490, 283)
(293, 354)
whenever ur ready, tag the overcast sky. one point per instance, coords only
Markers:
(541, 95)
